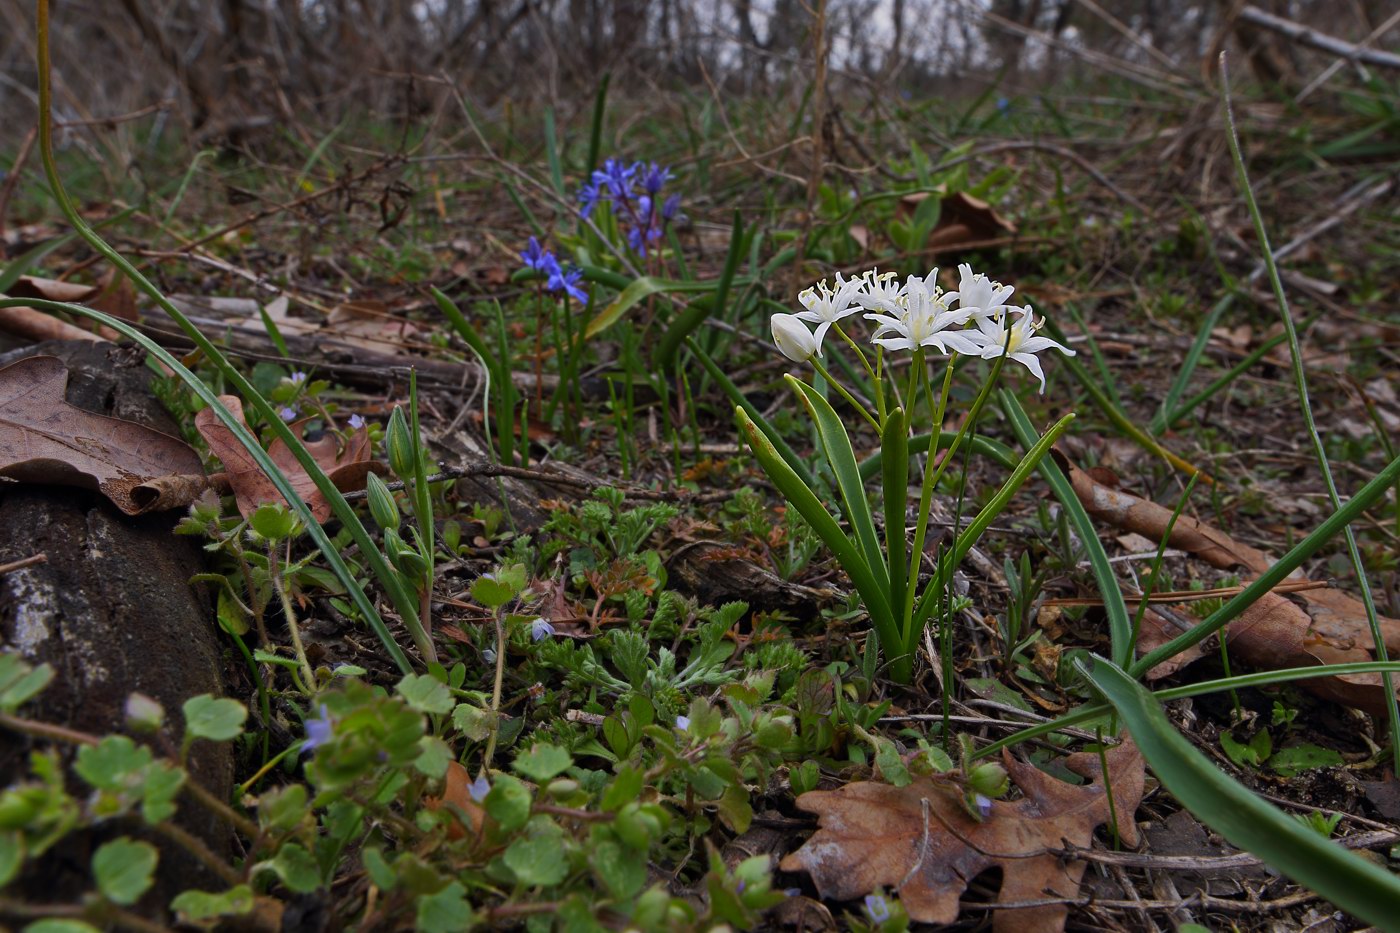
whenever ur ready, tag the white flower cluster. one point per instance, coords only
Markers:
(975, 320)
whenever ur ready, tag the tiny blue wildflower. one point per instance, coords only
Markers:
(540, 629)
(793, 892)
(618, 177)
(984, 804)
(655, 178)
(288, 413)
(566, 280)
(297, 378)
(319, 731)
(683, 723)
(741, 885)
(588, 198)
(356, 422)
(876, 908)
(489, 654)
(1003, 105)
(537, 258)
(671, 208)
(479, 788)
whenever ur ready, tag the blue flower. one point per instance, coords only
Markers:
(655, 178)
(356, 422)
(288, 413)
(588, 197)
(488, 655)
(561, 280)
(618, 177)
(671, 208)
(479, 788)
(540, 629)
(541, 260)
(297, 378)
(319, 731)
(876, 908)
(683, 723)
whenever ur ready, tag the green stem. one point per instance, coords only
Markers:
(864, 412)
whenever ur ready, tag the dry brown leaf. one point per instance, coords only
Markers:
(347, 468)
(1274, 632)
(43, 439)
(456, 795)
(921, 842)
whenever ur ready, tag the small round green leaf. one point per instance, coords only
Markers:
(124, 869)
(218, 719)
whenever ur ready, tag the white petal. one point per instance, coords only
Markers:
(1033, 364)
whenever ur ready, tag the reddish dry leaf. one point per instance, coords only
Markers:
(43, 439)
(456, 796)
(1273, 633)
(346, 468)
(921, 842)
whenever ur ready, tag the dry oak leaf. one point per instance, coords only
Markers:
(921, 842)
(346, 467)
(43, 439)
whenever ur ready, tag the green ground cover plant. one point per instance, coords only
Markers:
(664, 548)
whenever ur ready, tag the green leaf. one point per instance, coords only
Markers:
(158, 794)
(638, 291)
(508, 803)
(538, 858)
(494, 590)
(124, 869)
(11, 855)
(218, 719)
(836, 444)
(620, 870)
(802, 498)
(894, 451)
(194, 906)
(472, 721)
(106, 764)
(19, 682)
(60, 926)
(891, 765)
(1290, 761)
(626, 786)
(296, 867)
(1120, 627)
(1354, 884)
(542, 762)
(447, 911)
(1247, 754)
(434, 758)
(273, 521)
(283, 810)
(425, 693)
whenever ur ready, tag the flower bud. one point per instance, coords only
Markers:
(792, 338)
(402, 445)
(143, 714)
(381, 503)
(990, 779)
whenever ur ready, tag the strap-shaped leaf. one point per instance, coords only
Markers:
(836, 443)
(800, 497)
(1241, 816)
(894, 449)
(1120, 627)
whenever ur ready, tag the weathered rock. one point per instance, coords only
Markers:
(112, 610)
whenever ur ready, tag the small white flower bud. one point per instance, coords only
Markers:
(793, 338)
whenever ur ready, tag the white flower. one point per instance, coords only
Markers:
(920, 318)
(825, 307)
(881, 286)
(979, 295)
(793, 338)
(1017, 339)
